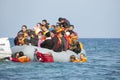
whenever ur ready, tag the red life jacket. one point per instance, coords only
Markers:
(67, 42)
(44, 57)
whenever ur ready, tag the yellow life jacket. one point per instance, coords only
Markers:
(45, 32)
(76, 60)
(81, 45)
(83, 60)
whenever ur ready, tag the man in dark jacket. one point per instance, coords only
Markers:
(63, 22)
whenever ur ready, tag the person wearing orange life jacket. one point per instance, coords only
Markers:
(44, 30)
(73, 59)
(45, 24)
(37, 28)
(82, 59)
(19, 57)
(74, 46)
(22, 32)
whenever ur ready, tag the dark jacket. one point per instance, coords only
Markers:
(57, 46)
(76, 48)
(66, 23)
(47, 44)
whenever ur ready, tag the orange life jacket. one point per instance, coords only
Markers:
(24, 59)
(83, 60)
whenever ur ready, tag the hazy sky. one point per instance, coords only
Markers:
(91, 18)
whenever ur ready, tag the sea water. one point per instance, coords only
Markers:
(103, 64)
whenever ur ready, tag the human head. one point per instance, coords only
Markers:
(24, 28)
(17, 55)
(53, 26)
(39, 25)
(40, 33)
(72, 58)
(20, 40)
(44, 22)
(82, 55)
(71, 27)
(61, 19)
(57, 28)
(52, 33)
(21, 54)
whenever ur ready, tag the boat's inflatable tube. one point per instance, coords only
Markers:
(58, 56)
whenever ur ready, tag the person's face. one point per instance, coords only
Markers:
(71, 60)
(24, 29)
(38, 25)
(52, 34)
(72, 35)
(60, 35)
(20, 39)
(44, 28)
(43, 23)
(71, 28)
(81, 56)
(62, 21)
(40, 34)
(17, 55)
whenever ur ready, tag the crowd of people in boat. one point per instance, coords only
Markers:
(59, 37)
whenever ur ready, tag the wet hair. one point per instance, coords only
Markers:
(45, 20)
(82, 54)
(39, 24)
(60, 18)
(53, 26)
(21, 53)
(31, 32)
(24, 26)
(14, 55)
(72, 57)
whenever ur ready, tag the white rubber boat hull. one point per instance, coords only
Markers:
(58, 56)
